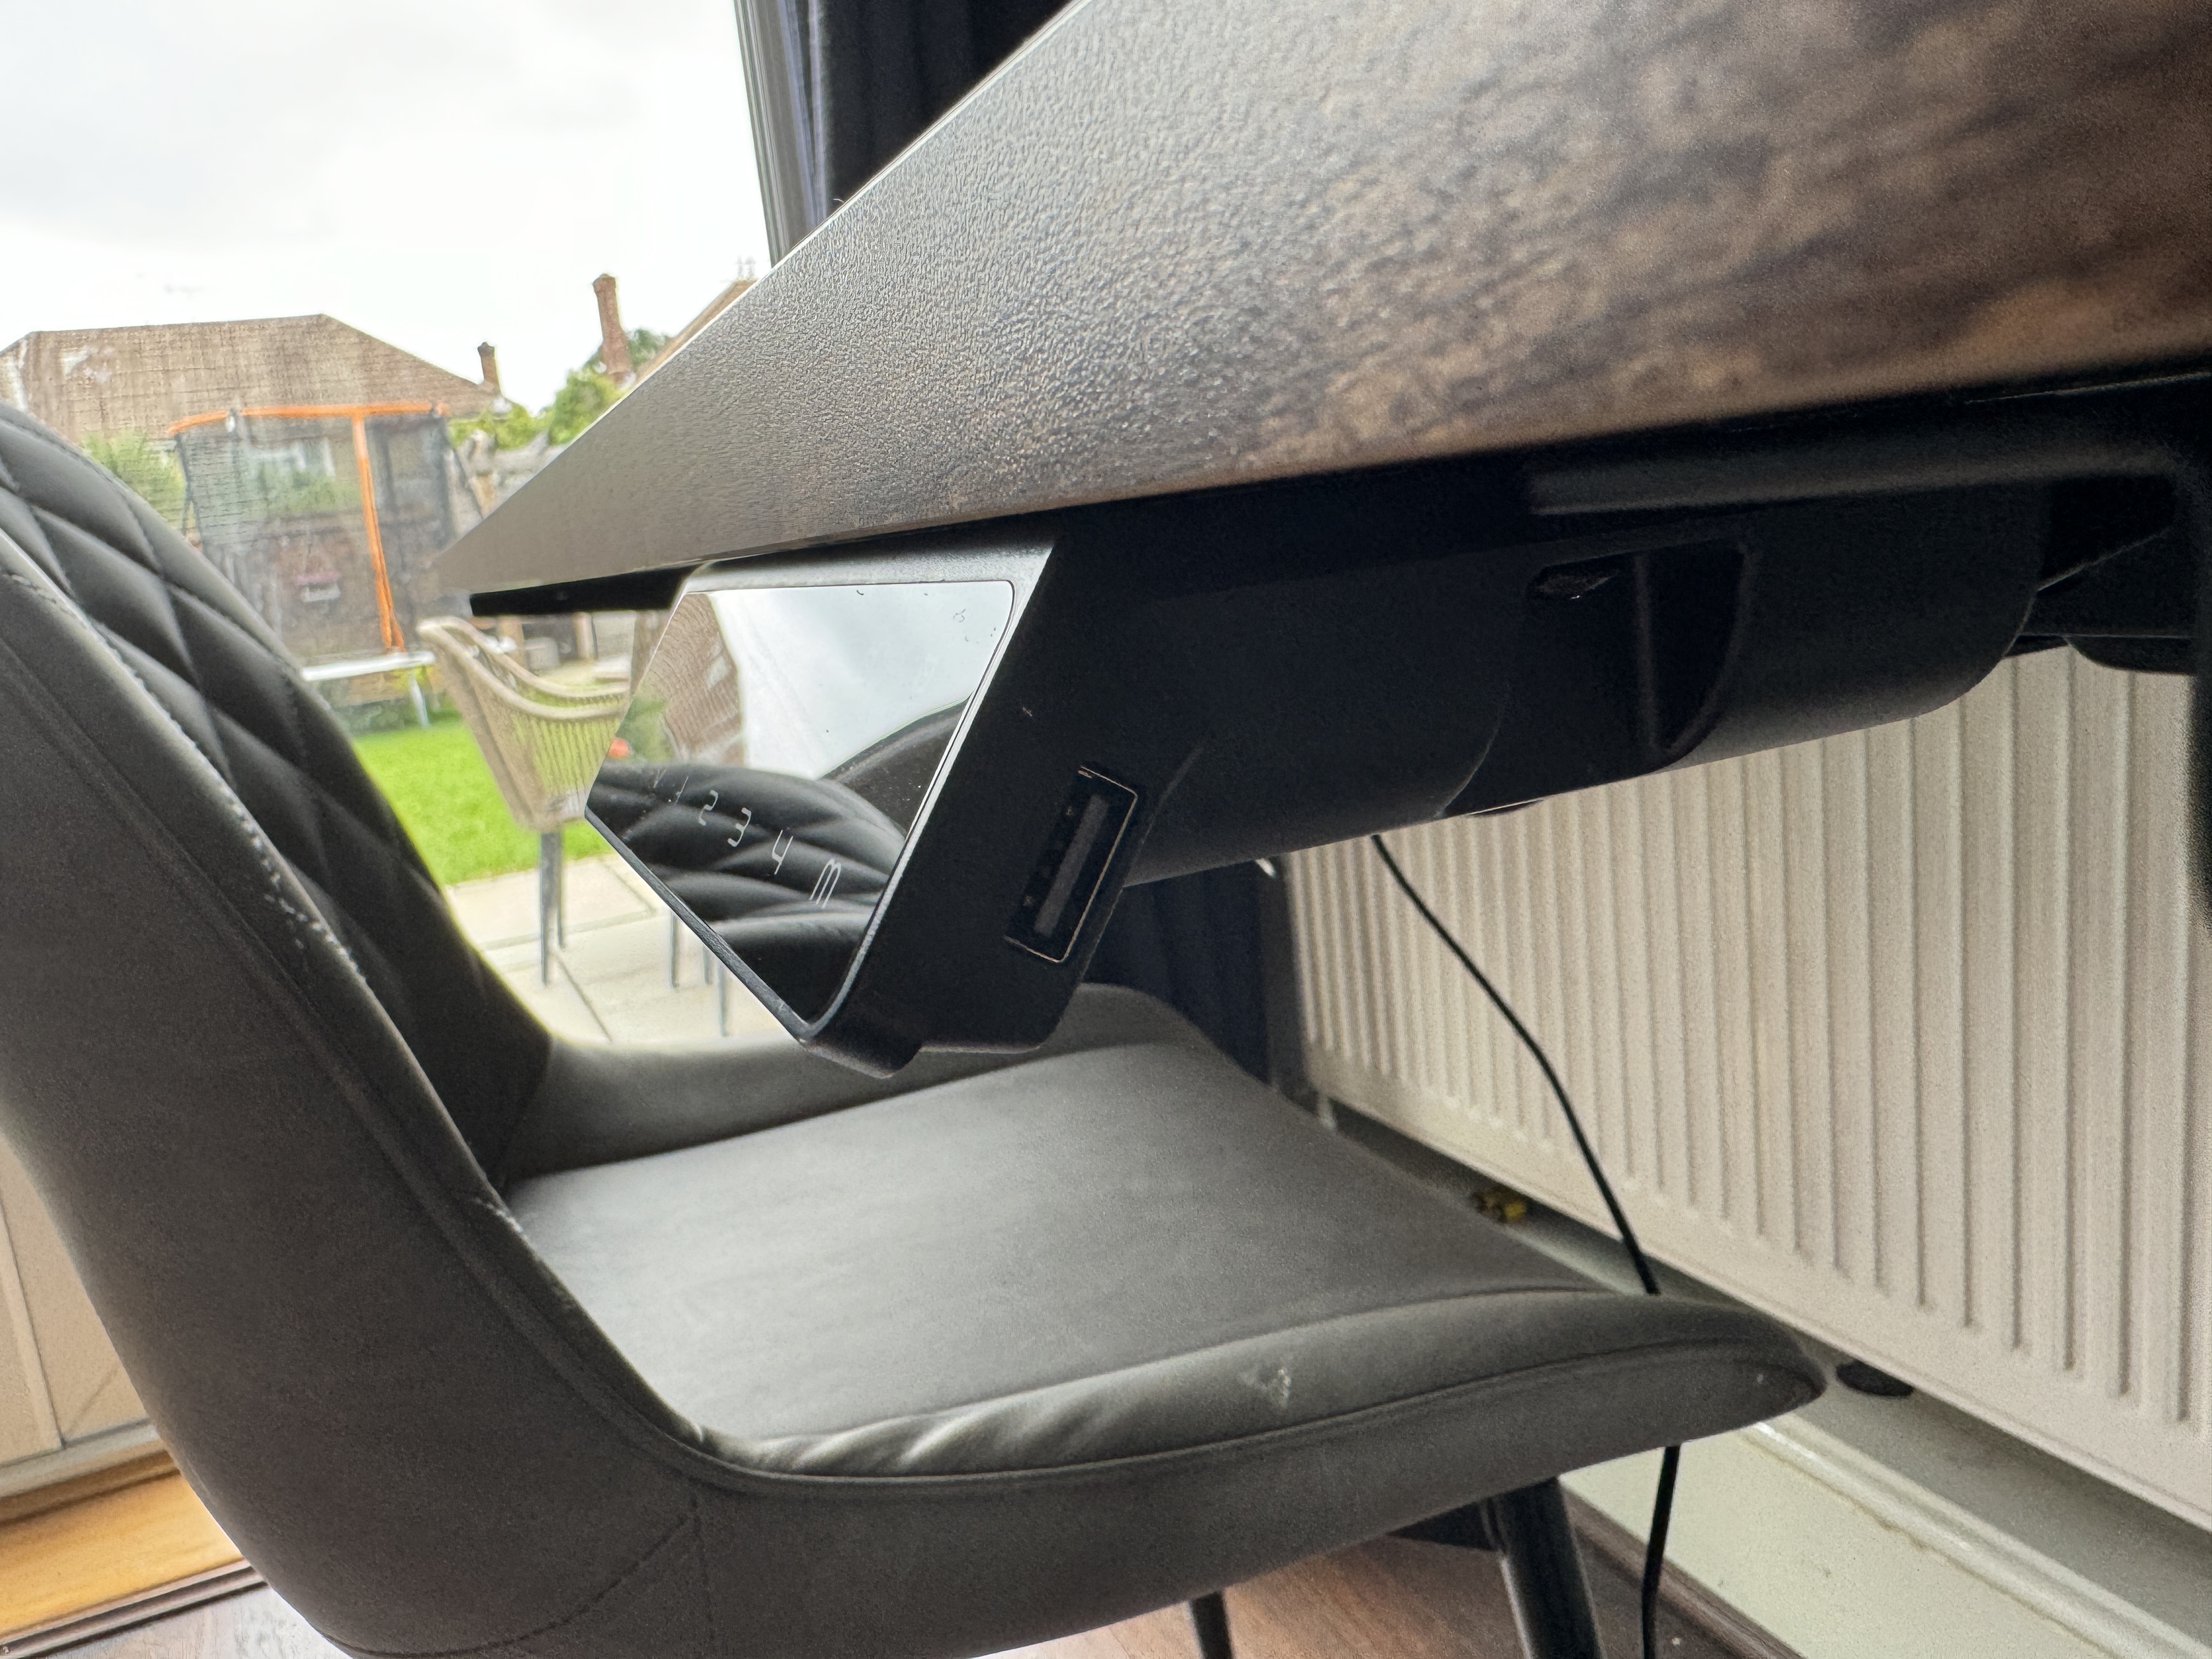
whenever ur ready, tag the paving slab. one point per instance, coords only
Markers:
(560, 1004)
(613, 981)
(496, 910)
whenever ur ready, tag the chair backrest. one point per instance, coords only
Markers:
(219, 674)
(543, 741)
(256, 1075)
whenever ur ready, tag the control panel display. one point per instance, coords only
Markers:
(778, 751)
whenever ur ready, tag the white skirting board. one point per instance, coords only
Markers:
(85, 1456)
(1841, 1557)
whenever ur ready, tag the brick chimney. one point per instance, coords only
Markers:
(614, 345)
(488, 361)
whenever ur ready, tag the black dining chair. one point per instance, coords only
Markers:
(478, 1341)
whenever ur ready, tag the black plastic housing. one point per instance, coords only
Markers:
(1243, 675)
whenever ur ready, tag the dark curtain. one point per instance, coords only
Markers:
(840, 86)
(1196, 943)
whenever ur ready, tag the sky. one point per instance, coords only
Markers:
(434, 173)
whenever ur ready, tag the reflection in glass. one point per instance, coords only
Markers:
(777, 751)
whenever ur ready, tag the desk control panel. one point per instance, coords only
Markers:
(898, 789)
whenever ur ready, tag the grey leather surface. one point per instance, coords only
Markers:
(596, 1105)
(271, 1180)
(1103, 1255)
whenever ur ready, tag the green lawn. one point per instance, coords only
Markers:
(438, 783)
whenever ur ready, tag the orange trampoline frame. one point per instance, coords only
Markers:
(387, 616)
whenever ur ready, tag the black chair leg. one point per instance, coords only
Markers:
(1544, 1574)
(1529, 1532)
(1209, 1617)
(552, 908)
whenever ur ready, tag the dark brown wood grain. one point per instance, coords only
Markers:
(1171, 247)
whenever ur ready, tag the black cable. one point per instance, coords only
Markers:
(1559, 1089)
(1654, 1548)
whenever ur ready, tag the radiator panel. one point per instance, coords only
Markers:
(1906, 1036)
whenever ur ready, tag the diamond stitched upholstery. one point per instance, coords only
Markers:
(218, 672)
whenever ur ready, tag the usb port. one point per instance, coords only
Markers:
(1071, 866)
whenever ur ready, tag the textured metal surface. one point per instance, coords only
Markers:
(1904, 1036)
(1170, 246)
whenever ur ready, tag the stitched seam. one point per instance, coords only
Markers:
(323, 805)
(562, 1623)
(117, 641)
(212, 612)
(322, 801)
(1336, 1423)
(243, 638)
(58, 577)
(46, 517)
(317, 851)
(264, 852)
(198, 680)
(262, 848)
(69, 452)
(240, 639)
(42, 590)
(921, 1419)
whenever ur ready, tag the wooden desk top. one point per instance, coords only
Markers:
(1172, 247)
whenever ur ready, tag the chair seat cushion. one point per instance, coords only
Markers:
(1103, 1255)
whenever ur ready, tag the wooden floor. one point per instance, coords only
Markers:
(102, 1540)
(1393, 1600)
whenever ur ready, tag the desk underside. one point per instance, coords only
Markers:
(1172, 247)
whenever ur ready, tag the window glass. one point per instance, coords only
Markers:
(327, 282)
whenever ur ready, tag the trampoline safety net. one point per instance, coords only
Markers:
(328, 520)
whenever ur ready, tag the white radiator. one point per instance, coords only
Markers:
(1904, 1036)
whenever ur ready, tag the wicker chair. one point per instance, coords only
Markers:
(542, 742)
